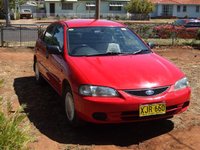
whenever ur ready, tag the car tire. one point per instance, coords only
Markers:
(38, 78)
(70, 109)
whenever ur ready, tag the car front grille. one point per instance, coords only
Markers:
(147, 92)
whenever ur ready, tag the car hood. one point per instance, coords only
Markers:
(126, 72)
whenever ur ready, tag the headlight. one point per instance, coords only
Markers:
(182, 83)
(90, 90)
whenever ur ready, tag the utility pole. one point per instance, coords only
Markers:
(6, 7)
(97, 15)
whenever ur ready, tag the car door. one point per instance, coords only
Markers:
(55, 62)
(41, 51)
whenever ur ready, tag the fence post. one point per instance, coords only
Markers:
(39, 29)
(20, 34)
(2, 43)
(173, 38)
(173, 35)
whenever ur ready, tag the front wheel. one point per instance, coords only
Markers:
(70, 109)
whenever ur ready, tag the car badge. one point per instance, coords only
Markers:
(149, 92)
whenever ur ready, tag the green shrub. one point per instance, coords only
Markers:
(198, 35)
(109, 17)
(117, 17)
(14, 133)
(17, 16)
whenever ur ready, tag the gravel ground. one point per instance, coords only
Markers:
(48, 122)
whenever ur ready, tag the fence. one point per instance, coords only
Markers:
(165, 34)
(26, 35)
(19, 35)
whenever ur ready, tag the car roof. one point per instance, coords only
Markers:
(92, 23)
(194, 20)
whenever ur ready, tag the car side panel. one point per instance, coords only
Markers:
(55, 71)
(41, 57)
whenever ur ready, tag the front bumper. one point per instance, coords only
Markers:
(126, 107)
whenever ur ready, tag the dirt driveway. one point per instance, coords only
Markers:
(48, 122)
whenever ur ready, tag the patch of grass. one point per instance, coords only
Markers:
(194, 43)
(14, 130)
(1, 83)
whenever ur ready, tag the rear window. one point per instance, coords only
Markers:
(26, 10)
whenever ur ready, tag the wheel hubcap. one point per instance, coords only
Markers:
(69, 106)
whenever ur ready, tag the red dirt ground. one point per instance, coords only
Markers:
(48, 122)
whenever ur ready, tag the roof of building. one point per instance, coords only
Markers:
(186, 2)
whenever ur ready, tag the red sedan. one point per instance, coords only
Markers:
(106, 74)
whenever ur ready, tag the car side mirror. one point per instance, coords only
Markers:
(151, 44)
(54, 49)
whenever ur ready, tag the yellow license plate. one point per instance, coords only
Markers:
(152, 109)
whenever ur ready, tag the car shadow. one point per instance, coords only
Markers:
(46, 113)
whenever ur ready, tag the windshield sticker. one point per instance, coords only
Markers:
(123, 29)
(71, 29)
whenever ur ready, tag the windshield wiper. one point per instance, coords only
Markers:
(108, 54)
(140, 51)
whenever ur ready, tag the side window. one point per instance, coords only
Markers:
(58, 36)
(48, 36)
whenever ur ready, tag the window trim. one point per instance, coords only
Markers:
(116, 5)
(54, 25)
(68, 5)
(59, 25)
(184, 8)
(90, 6)
(178, 8)
(167, 10)
(43, 37)
(198, 8)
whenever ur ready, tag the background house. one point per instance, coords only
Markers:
(176, 8)
(112, 8)
(84, 8)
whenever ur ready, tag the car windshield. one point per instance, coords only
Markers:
(103, 41)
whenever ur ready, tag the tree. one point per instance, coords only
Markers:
(1, 5)
(143, 7)
(6, 6)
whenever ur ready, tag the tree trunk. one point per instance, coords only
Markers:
(97, 15)
(6, 6)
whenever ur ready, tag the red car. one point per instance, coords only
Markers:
(181, 28)
(107, 74)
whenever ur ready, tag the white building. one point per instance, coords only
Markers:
(84, 8)
(112, 8)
